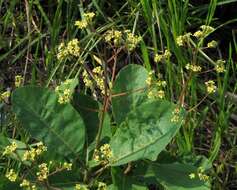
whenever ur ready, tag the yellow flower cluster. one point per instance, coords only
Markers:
(67, 166)
(210, 86)
(31, 155)
(18, 81)
(10, 148)
(159, 57)
(175, 115)
(27, 185)
(192, 175)
(87, 18)
(71, 49)
(102, 186)
(131, 40)
(183, 39)
(154, 93)
(212, 44)
(5, 95)
(200, 34)
(220, 66)
(65, 97)
(205, 31)
(103, 154)
(193, 67)
(113, 36)
(11, 175)
(156, 87)
(80, 187)
(200, 174)
(150, 79)
(86, 79)
(64, 91)
(43, 172)
(126, 38)
(98, 77)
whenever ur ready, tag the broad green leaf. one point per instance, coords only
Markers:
(59, 126)
(174, 176)
(145, 132)
(122, 181)
(89, 110)
(65, 179)
(128, 90)
(5, 184)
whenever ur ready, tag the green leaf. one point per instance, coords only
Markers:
(128, 90)
(59, 126)
(145, 132)
(174, 176)
(89, 110)
(5, 184)
(122, 181)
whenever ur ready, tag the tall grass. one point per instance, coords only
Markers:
(30, 32)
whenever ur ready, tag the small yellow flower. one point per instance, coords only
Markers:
(97, 155)
(81, 24)
(78, 187)
(203, 177)
(161, 94)
(25, 183)
(18, 81)
(10, 149)
(40, 149)
(5, 95)
(192, 175)
(29, 155)
(182, 39)
(132, 40)
(193, 67)
(86, 79)
(103, 154)
(67, 166)
(33, 187)
(149, 79)
(71, 49)
(161, 83)
(198, 34)
(11, 175)
(167, 54)
(212, 44)
(220, 66)
(89, 16)
(158, 58)
(102, 186)
(43, 172)
(207, 29)
(175, 118)
(113, 36)
(210, 86)
(98, 70)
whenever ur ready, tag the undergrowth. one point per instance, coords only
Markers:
(136, 94)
